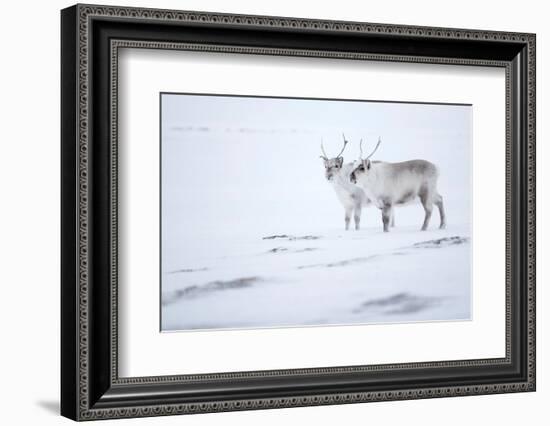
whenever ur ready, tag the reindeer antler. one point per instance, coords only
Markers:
(344, 147)
(324, 156)
(361, 149)
(375, 148)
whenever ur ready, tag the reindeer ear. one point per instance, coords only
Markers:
(340, 161)
(366, 164)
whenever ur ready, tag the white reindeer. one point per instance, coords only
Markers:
(394, 184)
(350, 195)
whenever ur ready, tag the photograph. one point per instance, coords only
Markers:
(294, 212)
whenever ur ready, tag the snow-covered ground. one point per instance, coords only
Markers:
(253, 235)
(324, 278)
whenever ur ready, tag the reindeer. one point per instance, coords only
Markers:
(393, 184)
(351, 196)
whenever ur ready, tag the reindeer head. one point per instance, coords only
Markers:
(333, 165)
(362, 166)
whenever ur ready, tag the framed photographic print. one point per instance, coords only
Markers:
(263, 212)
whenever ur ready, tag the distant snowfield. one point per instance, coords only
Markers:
(330, 278)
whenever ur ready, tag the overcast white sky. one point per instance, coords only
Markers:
(228, 113)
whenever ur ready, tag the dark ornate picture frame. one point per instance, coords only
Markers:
(90, 385)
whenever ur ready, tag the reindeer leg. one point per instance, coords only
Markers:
(392, 219)
(387, 212)
(439, 204)
(357, 216)
(428, 207)
(347, 218)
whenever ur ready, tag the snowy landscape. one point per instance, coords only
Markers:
(253, 234)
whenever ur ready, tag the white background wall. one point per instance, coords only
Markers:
(29, 225)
